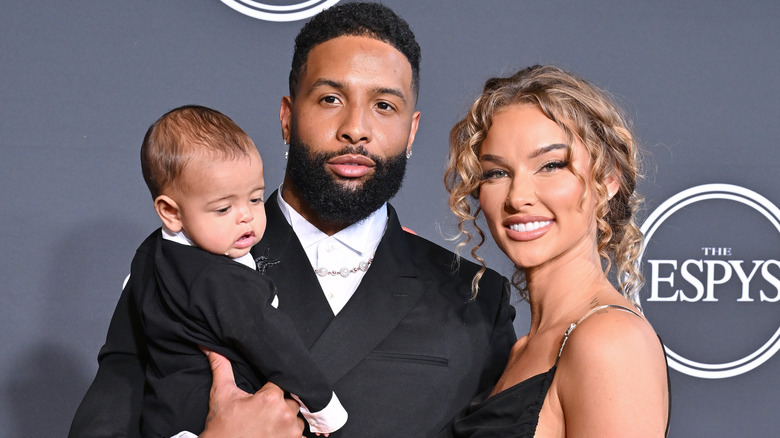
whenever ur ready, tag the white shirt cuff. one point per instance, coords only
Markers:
(185, 434)
(329, 419)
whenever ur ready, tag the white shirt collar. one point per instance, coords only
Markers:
(362, 237)
(180, 238)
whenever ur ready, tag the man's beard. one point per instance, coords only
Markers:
(333, 200)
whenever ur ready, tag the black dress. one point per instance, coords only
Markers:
(514, 412)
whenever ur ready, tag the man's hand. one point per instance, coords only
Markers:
(234, 413)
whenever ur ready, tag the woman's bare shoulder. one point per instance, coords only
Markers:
(613, 360)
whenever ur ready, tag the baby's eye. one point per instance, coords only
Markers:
(223, 210)
(256, 200)
(493, 174)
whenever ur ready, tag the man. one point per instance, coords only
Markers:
(386, 315)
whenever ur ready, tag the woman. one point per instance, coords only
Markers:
(554, 166)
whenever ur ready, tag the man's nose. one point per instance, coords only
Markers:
(356, 125)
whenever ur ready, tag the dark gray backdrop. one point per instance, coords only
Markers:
(82, 80)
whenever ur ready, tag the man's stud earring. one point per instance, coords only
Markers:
(409, 155)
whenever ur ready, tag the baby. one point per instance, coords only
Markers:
(194, 282)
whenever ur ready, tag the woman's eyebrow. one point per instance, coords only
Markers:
(546, 149)
(493, 158)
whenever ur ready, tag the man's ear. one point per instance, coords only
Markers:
(168, 211)
(413, 132)
(285, 117)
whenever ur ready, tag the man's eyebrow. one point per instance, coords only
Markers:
(322, 82)
(392, 91)
(546, 149)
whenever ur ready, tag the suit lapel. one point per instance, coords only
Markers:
(388, 291)
(280, 256)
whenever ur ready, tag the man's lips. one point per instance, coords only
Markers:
(351, 166)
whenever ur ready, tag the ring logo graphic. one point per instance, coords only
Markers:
(282, 10)
(712, 278)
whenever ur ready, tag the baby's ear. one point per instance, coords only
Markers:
(168, 211)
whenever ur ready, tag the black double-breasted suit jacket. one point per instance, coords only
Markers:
(408, 351)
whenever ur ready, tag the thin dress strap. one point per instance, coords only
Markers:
(590, 312)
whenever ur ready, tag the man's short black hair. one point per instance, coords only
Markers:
(372, 20)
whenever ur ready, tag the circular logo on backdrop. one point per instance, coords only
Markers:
(280, 10)
(712, 279)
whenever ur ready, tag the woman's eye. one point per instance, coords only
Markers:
(554, 165)
(493, 174)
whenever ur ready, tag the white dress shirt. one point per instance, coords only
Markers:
(348, 248)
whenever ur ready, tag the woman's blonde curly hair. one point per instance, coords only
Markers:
(584, 112)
